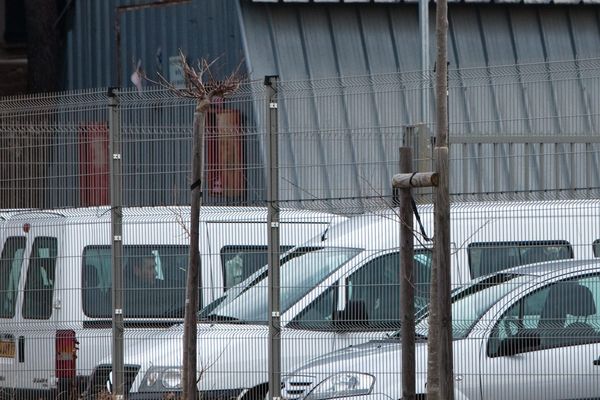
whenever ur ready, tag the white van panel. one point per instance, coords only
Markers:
(29, 344)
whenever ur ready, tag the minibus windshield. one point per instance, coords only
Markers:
(301, 271)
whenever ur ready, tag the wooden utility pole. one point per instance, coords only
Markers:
(440, 377)
(407, 288)
(405, 181)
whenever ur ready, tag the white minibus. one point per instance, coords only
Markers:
(56, 280)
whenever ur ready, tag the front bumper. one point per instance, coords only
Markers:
(99, 382)
(228, 394)
(72, 385)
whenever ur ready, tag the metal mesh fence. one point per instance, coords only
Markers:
(524, 185)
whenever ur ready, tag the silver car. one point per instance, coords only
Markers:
(531, 332)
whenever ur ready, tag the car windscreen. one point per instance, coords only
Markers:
(299, 274)
(471, 303)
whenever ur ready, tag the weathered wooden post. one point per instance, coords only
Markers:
(405, 181)
(440, 384)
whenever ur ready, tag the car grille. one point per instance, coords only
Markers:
(98, 381)
(296, 386)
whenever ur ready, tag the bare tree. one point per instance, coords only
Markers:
(202, 86)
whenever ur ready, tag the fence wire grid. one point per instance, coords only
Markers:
(525, 236)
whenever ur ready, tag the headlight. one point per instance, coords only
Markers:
(341, 385)
(162, 379)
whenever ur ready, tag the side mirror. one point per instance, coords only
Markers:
(522, 342)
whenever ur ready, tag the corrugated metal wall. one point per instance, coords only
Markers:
(207, 28)
(505, 81)
(339, 86)
(315, 41)
(319, 40)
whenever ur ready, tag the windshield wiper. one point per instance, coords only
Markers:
(398, 335)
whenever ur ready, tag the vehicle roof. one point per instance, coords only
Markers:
(366, 231)
(381, 227)
(509, 206)
(169, 213)
(555, 267)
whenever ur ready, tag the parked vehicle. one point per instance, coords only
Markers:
(342, 288)
(532, 332)
(56, 280)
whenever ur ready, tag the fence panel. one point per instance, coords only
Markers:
(524, 185)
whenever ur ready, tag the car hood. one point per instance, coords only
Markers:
(220, 347)
(357, 357)
(365, 358)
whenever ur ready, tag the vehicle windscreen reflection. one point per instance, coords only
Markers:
(300, 273)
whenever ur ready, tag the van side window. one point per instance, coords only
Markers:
(489, 257)
(154, 280)
(373, 292)
(11, 262)
(37, 303)
(239, 262)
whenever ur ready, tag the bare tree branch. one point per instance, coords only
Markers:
(200, 82)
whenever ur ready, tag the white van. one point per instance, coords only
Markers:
(341, 289)
(56, 280)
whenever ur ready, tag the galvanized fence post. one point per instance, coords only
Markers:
(273, 238)
(116, 218)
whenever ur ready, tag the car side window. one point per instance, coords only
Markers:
(373, 292)
(319, 314)
(564, 313)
